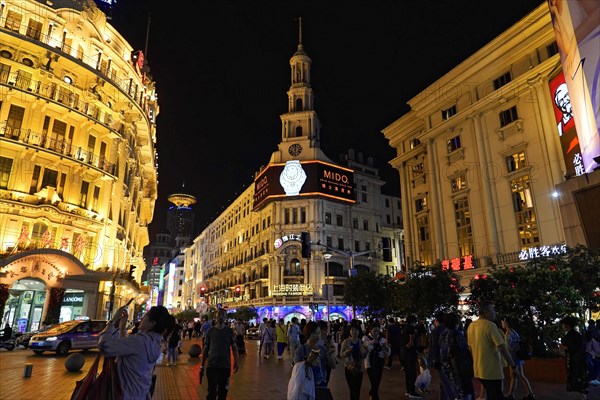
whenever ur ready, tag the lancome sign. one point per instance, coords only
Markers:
(315, 178)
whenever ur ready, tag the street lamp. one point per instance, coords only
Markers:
(327, 257)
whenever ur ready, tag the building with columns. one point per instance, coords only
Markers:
(78, 177)
(482, 154)
(300, 229)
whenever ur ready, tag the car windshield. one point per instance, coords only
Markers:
(62, 328)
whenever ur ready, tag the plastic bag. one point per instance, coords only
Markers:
(423, 380)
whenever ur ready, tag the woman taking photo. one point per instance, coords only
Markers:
(137, 353)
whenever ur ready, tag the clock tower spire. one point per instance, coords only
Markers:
(300, 126)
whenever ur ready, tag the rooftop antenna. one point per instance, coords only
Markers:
(299, 31)
(147, 36)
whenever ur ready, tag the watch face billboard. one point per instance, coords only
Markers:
(307, 178)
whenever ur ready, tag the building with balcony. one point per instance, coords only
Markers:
(78, 177)
(300, 229)
(482, 154)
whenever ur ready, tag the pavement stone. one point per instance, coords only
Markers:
(257, 379)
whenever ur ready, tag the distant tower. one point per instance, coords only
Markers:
(180, 217)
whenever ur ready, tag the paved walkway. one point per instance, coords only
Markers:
(257, 379)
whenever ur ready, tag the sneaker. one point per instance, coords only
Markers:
(174, 364)
(414, 395)
(280, 357)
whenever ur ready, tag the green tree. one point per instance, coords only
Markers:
(244, 313)
(186, 315)
(428, 290)
(369, 293)
(541, 292)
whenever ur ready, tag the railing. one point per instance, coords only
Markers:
(62, 147)
(125, 85)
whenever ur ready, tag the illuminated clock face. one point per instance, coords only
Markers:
(295, 149)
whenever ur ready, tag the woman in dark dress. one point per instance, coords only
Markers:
(574, 345)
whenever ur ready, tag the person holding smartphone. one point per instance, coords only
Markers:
(137, 353)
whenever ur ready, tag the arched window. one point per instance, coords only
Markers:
(295, 269)
(298, 104)
(265, 272)
(298, 131)
(336, 269)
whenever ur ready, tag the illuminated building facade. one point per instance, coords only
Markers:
(482, 152)
(78, 177)
(257, 251)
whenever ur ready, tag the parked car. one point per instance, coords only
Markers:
(253, 333)
(66, 336)
(22, 339)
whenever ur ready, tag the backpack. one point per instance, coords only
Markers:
(524, 352)
(374, 359)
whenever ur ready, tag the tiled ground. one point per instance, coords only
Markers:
(257, 379)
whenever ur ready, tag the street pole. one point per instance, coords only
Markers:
(327, 257)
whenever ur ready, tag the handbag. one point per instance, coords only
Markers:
(103, 386)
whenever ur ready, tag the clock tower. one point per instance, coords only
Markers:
(300, 126)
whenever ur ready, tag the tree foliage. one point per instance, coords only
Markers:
(369, 292)
(543, 291)
(244, 313)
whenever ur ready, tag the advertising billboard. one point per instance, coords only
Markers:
(565, 125)
(307, 178)
(577, 31)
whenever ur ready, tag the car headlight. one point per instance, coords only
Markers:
(51, 338)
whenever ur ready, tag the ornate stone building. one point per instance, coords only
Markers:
(78, 178)
(481, 159)
(258, 252)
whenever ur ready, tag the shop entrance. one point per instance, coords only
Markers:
(24, 306)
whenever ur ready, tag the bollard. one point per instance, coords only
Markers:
(28, 370)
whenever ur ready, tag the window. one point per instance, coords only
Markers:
(387, 203)
(341, 243)
(365, 224)
(356, 245)
(525, 215)
(367, 246)
(447, 113)
(453, 144)
(5, 169)
(302, 216)
(552, 49)
(464, 232)
(388, 219)
(95, 198)
(13, 20)
(286, 216)
(14, 121)
(508, 116)
(4, 72)
(83, 194)
(420, 203)
(425, 253)
(328, 218)
(355, 223)
(35, 179)
(414, 143)
(516, 161)
(502, 80)
(294, 215)
(329, 241)
(50, 178)
(459, 182)
(34, 30)
(339, 220)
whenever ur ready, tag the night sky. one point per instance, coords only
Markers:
(222, 72)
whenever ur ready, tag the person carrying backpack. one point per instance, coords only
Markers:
(513, 339)
(379, 350)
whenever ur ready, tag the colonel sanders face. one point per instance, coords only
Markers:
(563, 101)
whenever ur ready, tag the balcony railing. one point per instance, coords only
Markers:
(60, 146)
(126, 85)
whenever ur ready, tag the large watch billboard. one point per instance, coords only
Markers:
(306, 178)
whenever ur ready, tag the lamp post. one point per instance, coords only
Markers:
(327, 257)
